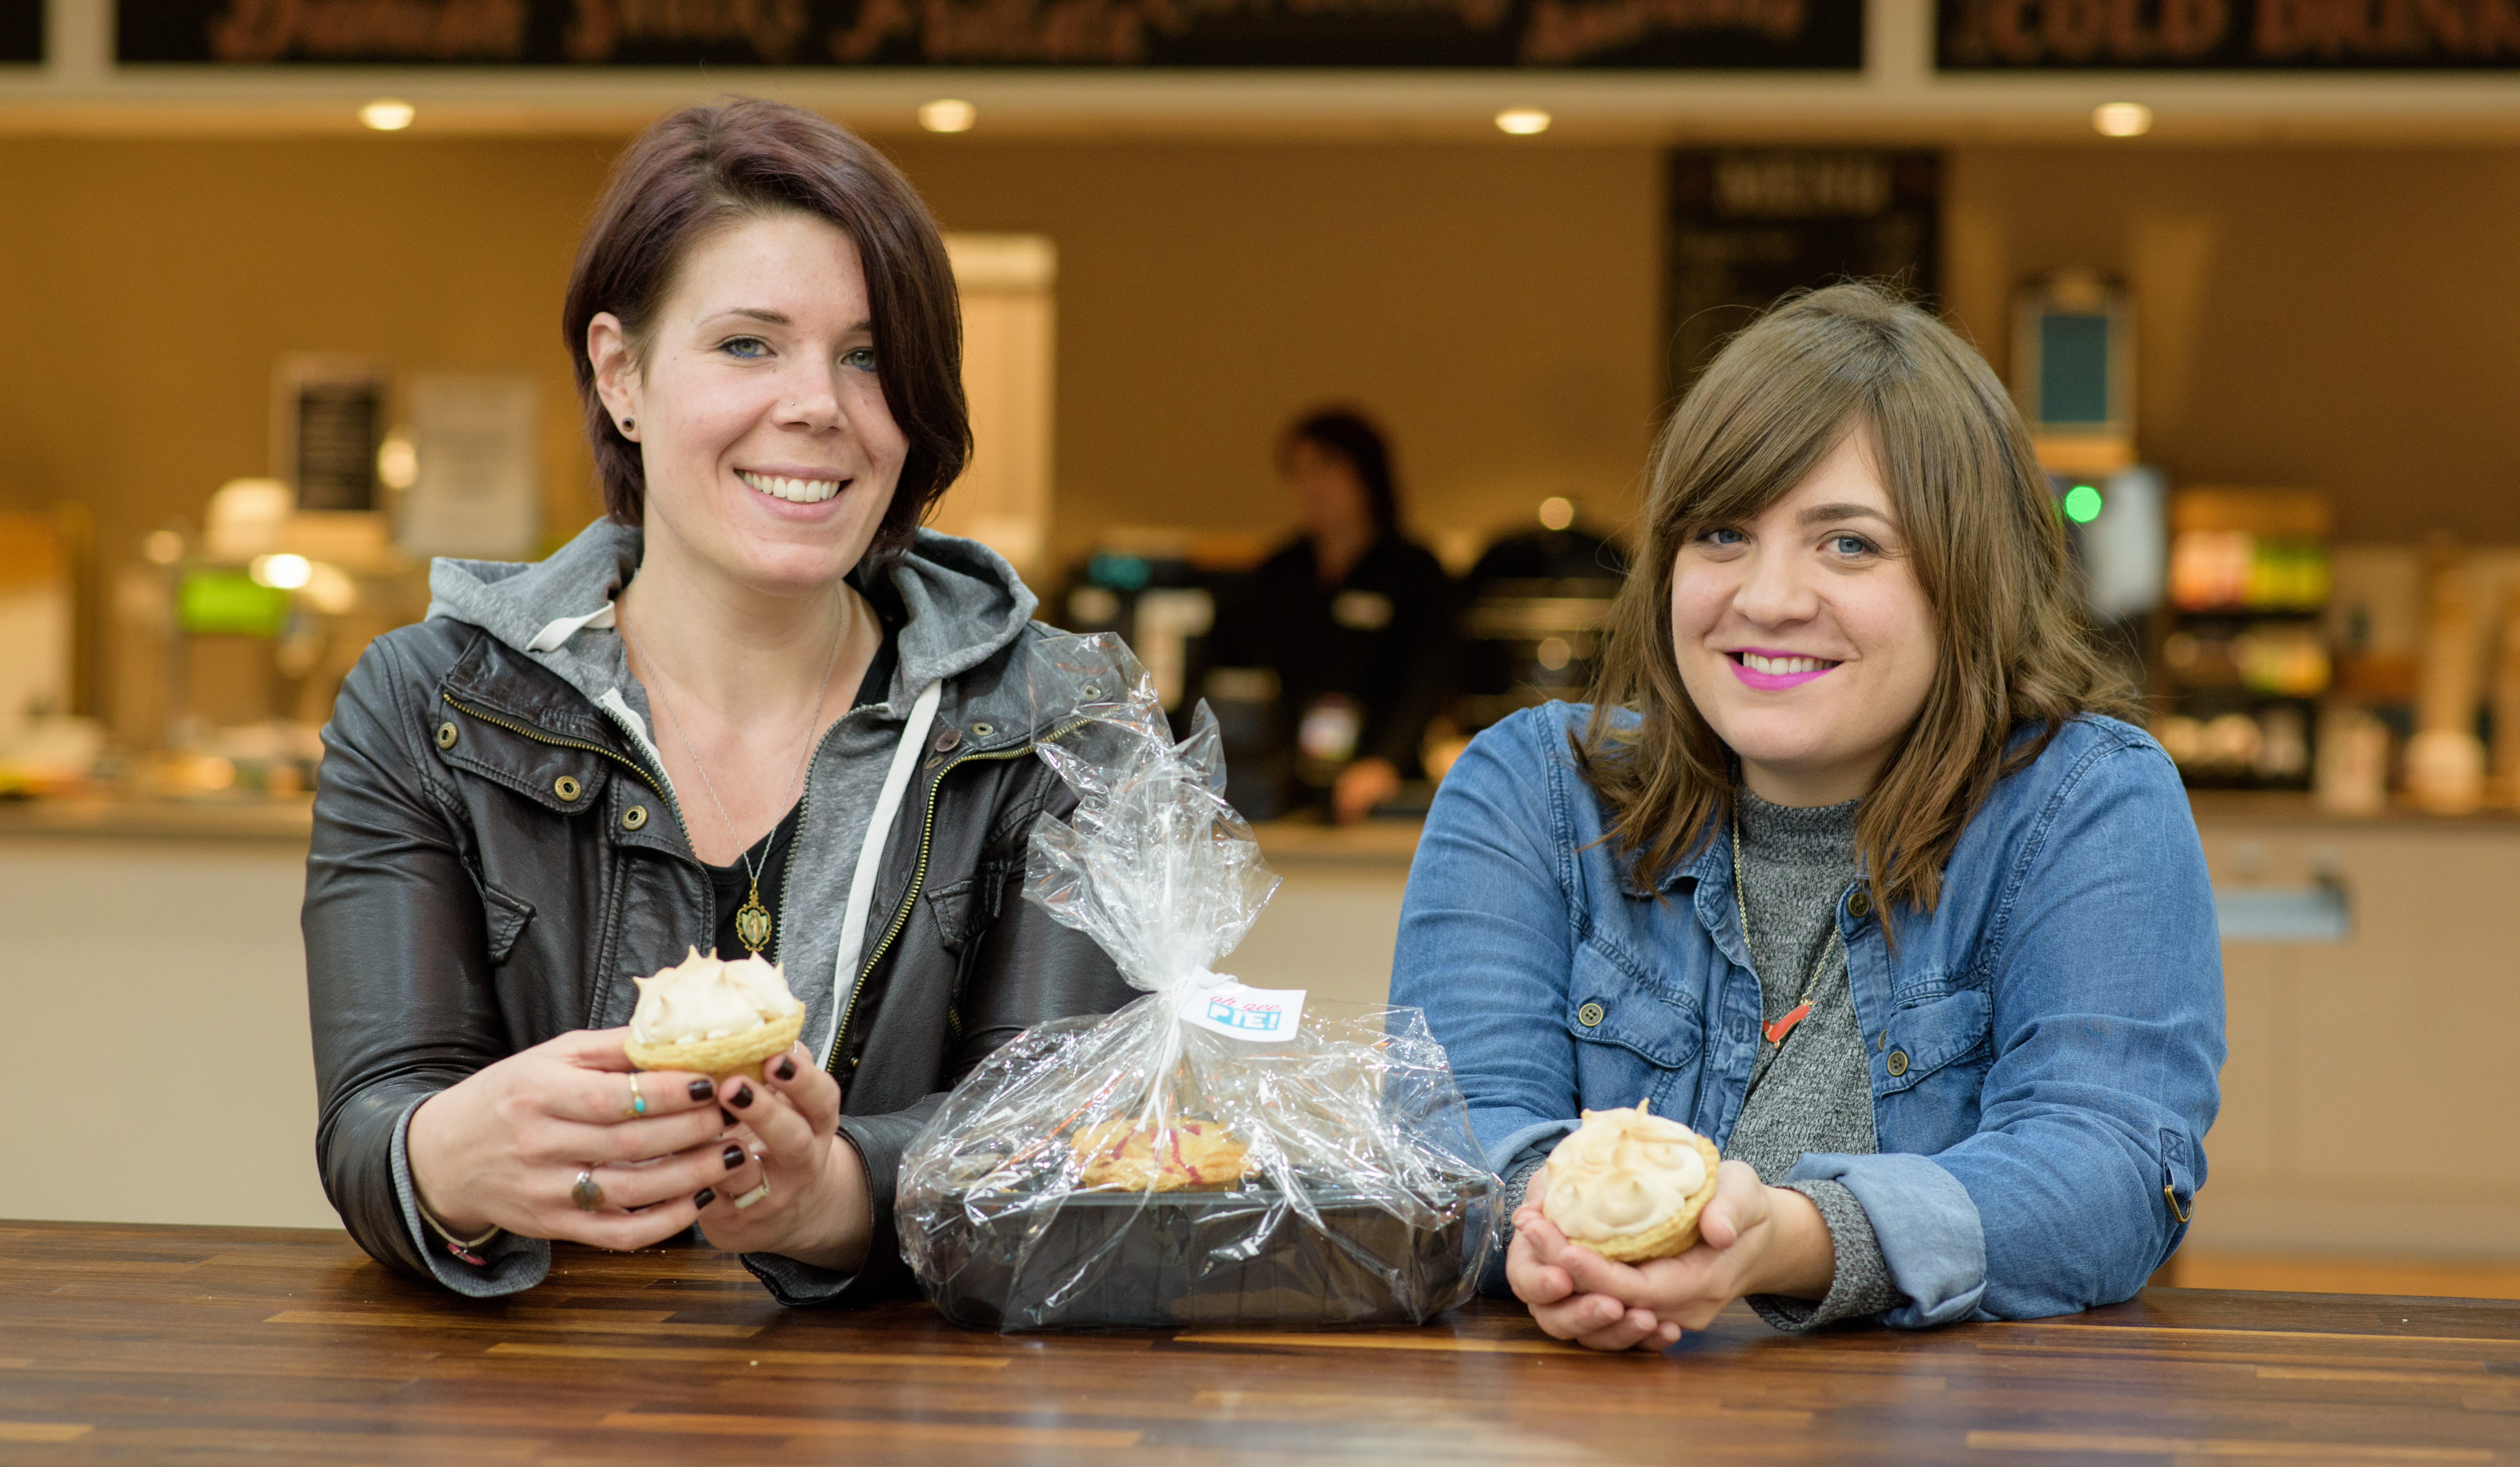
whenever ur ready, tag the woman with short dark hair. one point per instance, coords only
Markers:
(755, 708)
(1847, 867)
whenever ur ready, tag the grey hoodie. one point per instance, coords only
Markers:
(962, 605)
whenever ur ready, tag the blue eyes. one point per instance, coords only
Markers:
(755, 349)
(1849, 545)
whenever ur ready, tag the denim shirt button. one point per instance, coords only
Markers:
(1590, 1015)
(1860, 906)
(1897, 1064)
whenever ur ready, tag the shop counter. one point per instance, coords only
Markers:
(154, 1344)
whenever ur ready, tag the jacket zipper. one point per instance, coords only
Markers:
(522, 731)
(918, 880)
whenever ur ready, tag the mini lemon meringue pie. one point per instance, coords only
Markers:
(713, 1017)
(1628, 1185)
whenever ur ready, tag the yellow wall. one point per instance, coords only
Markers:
(2333, 317)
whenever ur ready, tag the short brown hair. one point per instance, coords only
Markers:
(1983, 535)
(705, 167)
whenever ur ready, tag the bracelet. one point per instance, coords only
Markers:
(463, 1248)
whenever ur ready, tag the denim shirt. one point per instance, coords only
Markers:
(2044, 1043)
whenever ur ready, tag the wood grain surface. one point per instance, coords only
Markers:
(129, 1344)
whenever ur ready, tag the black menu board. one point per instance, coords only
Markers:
(1686, 34)
(1748, 225)
(21, 30)
(2214, 35)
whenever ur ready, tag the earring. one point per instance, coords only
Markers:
(627, 423)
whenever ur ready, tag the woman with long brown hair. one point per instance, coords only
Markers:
(1847, 867)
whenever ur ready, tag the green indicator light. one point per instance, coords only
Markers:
(2082, 503)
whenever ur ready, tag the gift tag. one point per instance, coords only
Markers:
(1262, 1015)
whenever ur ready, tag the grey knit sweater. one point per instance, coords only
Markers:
(1813, 1093)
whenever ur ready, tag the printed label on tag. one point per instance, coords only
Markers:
(1262, 1015)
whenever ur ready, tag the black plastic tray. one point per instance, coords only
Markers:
(1197, 1258)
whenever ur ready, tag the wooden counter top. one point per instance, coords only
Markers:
(158, 1344)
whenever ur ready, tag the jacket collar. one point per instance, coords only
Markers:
(958, 605)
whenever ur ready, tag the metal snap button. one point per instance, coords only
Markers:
(1093, 690)
(567, 787)
(1591, 1014)
(446, 735)
(946, 740)
(1859, 905)
(635, 818)
(1897, 1064)
(982, 731)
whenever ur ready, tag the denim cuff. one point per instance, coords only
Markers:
(1926, 1225)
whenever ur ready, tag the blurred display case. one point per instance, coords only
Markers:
(229, 647)
(2244, 657)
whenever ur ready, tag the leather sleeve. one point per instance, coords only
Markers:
(397, 982)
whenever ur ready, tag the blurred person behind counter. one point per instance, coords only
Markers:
(1355, 620)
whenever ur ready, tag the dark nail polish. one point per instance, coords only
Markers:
(733, 1157)
(704, 1089)
(705, 1197)
(743, 1096)
(726, 1115)
(787, 1069)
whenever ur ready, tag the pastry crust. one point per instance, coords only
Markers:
(724, 1057)
(1198, 1156)
(1673, 1235)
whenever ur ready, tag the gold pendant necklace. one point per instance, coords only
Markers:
(752, 925)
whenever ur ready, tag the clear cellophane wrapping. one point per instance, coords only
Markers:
(1364, 1196)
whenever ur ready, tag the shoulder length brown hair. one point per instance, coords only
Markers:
(1984, 539)
(705, 168)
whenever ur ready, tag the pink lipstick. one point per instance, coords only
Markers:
(1805, 668)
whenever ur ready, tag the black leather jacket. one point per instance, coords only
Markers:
(445, 759)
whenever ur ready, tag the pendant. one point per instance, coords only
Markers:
(752, 923)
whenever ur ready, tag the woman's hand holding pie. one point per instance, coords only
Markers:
(1752, 1239)
(803, 1193)
(506, 1146)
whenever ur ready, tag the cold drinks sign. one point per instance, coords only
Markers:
(2003, 35)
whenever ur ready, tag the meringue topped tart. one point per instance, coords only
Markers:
(713, 1017)
(1629, 1185)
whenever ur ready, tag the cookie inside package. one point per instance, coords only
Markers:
(1212, 1152)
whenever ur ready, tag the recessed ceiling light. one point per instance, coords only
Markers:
(387, 115)
(1523, 121)
(2122, 119)
(948, 114)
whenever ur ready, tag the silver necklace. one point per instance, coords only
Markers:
(752, 919)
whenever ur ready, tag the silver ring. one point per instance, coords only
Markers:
(586, 1193)
(753, 1196)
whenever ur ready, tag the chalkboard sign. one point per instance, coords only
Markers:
(21, 30)
(1686, 34)
(2208, 35)
(1749, 226)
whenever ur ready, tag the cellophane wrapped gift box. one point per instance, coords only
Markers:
(1211, 1153)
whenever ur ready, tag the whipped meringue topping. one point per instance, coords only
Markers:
(705, 997)
(1620, 1173)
